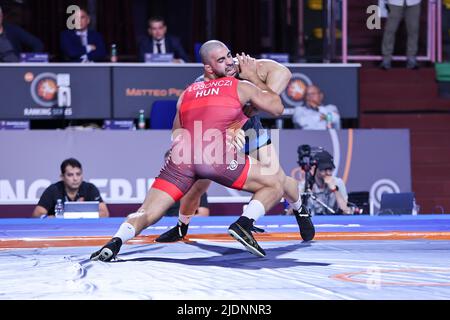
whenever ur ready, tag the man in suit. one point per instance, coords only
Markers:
(158, 41)
(14, 40)
(82, 44)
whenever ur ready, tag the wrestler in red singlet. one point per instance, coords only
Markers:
(207, 110)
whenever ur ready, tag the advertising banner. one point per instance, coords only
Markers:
(83, 91)
(137, 88)
(123, 164)
(54, 92)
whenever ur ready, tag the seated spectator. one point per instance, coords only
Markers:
(15, 40)
(314, 114)
(83, 44)
(157, 41)
(203, 209)
(70, 188)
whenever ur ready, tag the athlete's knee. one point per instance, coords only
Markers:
(278, 188)
(269, 162)
(281, 177)
(136, 215)
(144, 217)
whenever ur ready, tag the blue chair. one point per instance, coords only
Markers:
(162, 114)
(197, 46)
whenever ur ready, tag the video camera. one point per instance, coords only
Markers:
(306, 160)
(307, 156)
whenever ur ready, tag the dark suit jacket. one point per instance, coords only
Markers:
(173, 45)
(72, 48)
(21, 40)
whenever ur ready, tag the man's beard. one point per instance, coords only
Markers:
(232, 71)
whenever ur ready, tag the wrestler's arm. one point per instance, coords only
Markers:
(248, 71)
(274, 74)
(176, 121)
(265, 74)
(264, 100)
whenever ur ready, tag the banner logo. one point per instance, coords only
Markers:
(44, 89)
(295, 91)
(49, 91)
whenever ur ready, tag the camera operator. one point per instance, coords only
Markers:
(327, 190)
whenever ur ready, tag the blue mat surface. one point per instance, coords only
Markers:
(18, 228)
(215, 270)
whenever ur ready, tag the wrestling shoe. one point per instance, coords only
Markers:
(241, 230)
(177, 233)
(307, 230)
(109, 250)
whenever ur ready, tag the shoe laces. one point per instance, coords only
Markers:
(302, 214)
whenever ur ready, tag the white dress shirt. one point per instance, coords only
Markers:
(311, 119)
(163, 45)
(84, 41)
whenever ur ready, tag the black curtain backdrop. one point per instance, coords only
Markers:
(236, 22)
(115, 23)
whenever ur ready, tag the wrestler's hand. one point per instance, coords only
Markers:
(239, 139)
(248, 67)
(235, 139)
(249, 110)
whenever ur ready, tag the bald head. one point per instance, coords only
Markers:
(208, 47)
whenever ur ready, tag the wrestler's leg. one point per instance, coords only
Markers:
(155, 205)
(267, 192)
(268, 158)
(189, 204)
(191, 200)
(151, 211)
(172, 182)
(267, 189)
(291, 192)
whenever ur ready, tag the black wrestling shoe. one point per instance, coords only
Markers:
(177, 233)
(241, 230)
(109, 250)
(307, 230)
